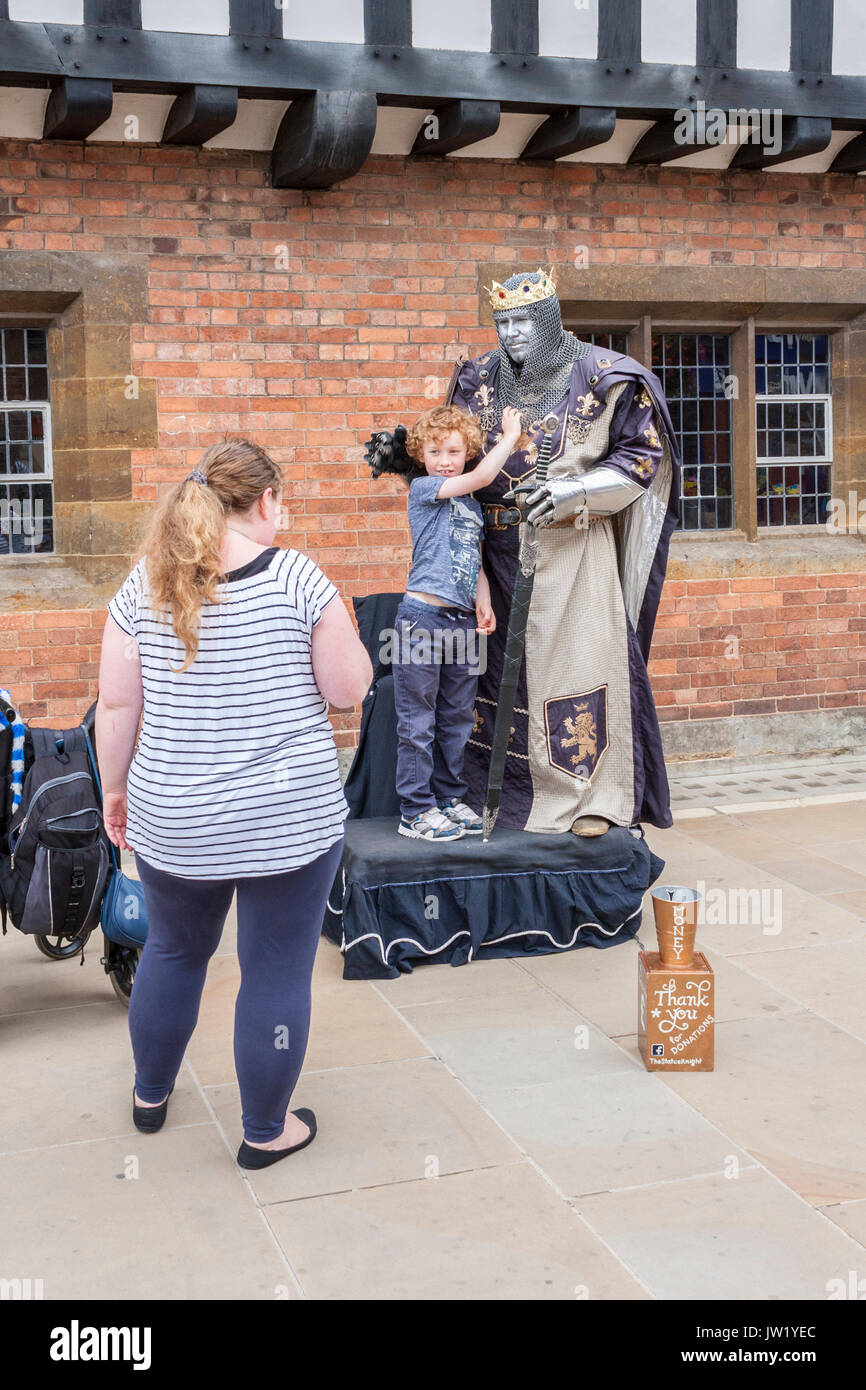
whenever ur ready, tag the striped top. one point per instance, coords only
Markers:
(235, 773)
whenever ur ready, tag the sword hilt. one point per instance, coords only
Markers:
(549, 424)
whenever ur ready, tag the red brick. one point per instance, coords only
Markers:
(381, 283)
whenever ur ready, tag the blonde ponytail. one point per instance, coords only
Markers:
(182, 546)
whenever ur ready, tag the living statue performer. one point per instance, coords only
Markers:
(585, 749)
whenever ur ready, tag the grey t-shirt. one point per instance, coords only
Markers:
(446, 536)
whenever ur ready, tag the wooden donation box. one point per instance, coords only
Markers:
(675, 1013)
(676, 1004)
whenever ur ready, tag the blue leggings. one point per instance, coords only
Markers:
(279, 923)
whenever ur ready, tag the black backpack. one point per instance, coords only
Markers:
(54, 860)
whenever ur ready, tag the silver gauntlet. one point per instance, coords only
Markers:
(600, 492)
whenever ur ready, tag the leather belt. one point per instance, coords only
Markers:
(498, 517)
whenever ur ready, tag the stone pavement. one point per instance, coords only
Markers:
(467, 1149)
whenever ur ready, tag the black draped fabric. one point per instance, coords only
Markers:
(399, 903)
(370, 787)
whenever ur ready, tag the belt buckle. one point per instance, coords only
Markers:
(513, 515)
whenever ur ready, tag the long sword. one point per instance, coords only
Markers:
(515, 643)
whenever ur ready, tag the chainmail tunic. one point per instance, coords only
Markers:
(543, 381)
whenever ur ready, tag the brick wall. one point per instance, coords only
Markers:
(304, 319)
(770, 645)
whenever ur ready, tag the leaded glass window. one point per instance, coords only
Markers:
(695, 373)
(793, 428)
(26, 504)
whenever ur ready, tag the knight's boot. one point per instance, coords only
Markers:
(590, 825)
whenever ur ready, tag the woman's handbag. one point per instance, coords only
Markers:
(123, 916)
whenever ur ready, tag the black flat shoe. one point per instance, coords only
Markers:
(149, 1118)
(248, 1157)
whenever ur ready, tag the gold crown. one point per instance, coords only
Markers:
(527, 292)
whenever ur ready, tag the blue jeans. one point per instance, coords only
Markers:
(279, 923)
(434, 698)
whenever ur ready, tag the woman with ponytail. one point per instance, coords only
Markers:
(229, 649)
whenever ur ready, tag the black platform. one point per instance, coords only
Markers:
(399, 902)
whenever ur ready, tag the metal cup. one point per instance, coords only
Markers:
(676, 914)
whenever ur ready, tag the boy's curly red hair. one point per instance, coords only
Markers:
(435, 424)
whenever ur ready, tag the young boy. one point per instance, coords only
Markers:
(447, 593)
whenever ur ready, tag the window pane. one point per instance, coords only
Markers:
(26, 506)
(14, 353)
(37, 384)
(693, 368)
(795, 430)
(27, 523)
(37, 347)
(616, 340)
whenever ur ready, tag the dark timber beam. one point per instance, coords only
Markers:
(455, 125)
(514, 26)
(717, 34)
(800, 136)
(851, 159)
(619, 32)
(76, 107)
(122, 14)
(388, 22)
(275, 69)
(566, 132)
(324, 137)
(659, 144)
(256, 18)
(811, 35)
(199, 114)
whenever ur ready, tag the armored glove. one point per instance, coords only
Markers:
(386, 452)
(600, 492)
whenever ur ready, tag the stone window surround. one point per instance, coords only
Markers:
(739, 301)
(100, 412)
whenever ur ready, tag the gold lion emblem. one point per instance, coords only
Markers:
(582, 734)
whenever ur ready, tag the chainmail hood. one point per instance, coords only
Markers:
(543, 381)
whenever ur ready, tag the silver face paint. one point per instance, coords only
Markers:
(536, 354)
(517, 335)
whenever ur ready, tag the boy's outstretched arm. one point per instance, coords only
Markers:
(484, 472)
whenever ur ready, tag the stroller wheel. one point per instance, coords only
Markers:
(61, 947)
(122, 973)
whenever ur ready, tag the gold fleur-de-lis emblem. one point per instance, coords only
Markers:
(477, 721)
(484, 396)
(643, 398)
(652, 438)
(586, 404)
(642, 467)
